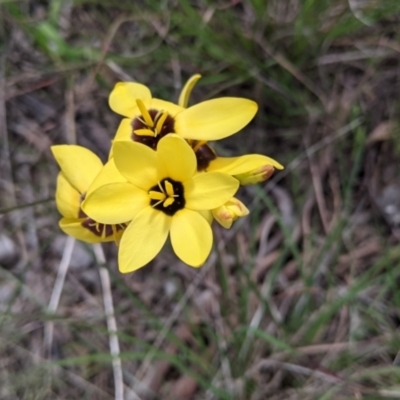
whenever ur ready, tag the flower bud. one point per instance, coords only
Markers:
(229, 212)
(257, 175)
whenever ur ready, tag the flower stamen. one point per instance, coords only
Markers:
(145, 113)
(168, 201)
(160, 122)
(151, 126)
(167, 196)
(157, 195)
(170, 189)
(144, 132)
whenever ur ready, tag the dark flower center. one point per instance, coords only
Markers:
(150, 135)
(167, 196)
(152, 125)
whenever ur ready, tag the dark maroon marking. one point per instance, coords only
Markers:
(98, 229)
(204, 155)
(179, 201)
(137, 123)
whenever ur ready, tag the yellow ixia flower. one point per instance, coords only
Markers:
(163, 196)
(149, 119)
(210, 120)
(79, 168)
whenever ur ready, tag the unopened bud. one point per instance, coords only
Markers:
(257, 175)
(229, 212)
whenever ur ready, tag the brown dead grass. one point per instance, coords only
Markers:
(337, 237)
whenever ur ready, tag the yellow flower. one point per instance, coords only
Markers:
(163, 196)
(149, 119)
(79, 168)
(229, 212)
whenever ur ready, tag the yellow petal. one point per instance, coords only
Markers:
(242, 164)
(73, 227)
(143, 239)
(123, 98)
(209, 190)
(215, 119)
(162, 105)
(139, 164)
(125, 130)
(207, 214)
(79, 165)
(108, 174)
(187, 90)
(178, 157)
(115, 203)
(191, 237)
(68, 199)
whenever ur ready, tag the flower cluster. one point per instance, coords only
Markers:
(162, 177)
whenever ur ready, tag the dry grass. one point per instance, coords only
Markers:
(298, 301)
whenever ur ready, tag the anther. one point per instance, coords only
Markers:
(161, 121)
(169, 188)
(144, 132)
(145, 113)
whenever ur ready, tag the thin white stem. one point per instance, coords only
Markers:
(57, 290)
(111, 322)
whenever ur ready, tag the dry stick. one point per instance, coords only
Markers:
(111, 322)
(56, 294)
(316, 173)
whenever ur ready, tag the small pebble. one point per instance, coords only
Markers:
(8, 251)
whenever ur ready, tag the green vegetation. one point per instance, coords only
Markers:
(300, 300)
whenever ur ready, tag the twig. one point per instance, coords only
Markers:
(296, 369)
(21, 206)
(111, 322)
(56, 294)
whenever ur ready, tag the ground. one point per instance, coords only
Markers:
(300, 299)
